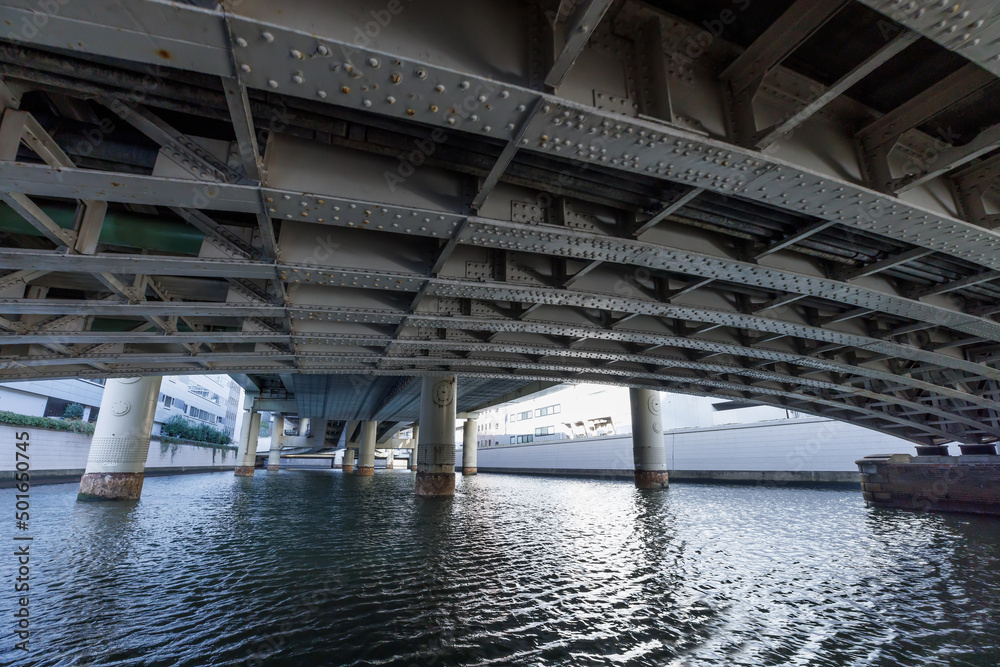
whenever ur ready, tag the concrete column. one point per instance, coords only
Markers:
(318, 436)
(304, 423)
(347, 463)
(366, 456)
(469, 446)
(277, 438)
(648, 452)
(436, 463)
(413, 452)
(117, 461)
(390, 453)
(246, 457)
(350, 454)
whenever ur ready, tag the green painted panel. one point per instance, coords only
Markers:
(127, 230)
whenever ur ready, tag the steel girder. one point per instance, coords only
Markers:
(811, 326)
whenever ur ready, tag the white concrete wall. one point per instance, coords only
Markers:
(79, 391)
(52, 451)
(305, 463)
(14, 400)
(797, 445)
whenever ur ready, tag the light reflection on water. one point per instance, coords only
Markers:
(317, 568)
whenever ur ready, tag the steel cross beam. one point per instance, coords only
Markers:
(575, 35)
(481, 231)
(746, 173)
(437, 287)
(240, 48)
(768, 136)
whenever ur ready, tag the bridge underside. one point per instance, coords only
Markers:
(787, 203)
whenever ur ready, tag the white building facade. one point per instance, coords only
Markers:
(214, 400)
(592, 410)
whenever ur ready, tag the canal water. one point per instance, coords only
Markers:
(321, 568)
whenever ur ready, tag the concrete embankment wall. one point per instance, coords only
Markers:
(812, 450)
(296, 462)
(60, 454)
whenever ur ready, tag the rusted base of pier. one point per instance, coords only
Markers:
(244, 471)
(470, 471)
(968, 483)
(273, 468)
(348, 467)
(365, 471)
(651, 479)
(111, 486)
(435, 484)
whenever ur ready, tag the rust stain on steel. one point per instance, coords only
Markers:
(244, 471)
(111, 486)
(651, 479)
(435, 484)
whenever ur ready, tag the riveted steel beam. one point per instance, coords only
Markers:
(969, 28)
(715, 165)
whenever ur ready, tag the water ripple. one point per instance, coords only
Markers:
(319, 568)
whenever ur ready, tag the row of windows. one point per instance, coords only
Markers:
(539, 412)
(197, 413)
(204, 393)
(204, 415)
(520, 439)
(545, 430)
(171, 402)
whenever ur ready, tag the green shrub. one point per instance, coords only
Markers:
(182, 429)
(73, 426)
(73, 411)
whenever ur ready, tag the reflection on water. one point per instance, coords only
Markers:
(319, 568)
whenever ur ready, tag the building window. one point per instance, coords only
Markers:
(548, 410)
(521, 439)
(204, 393)
(201, 414)
(545, 430)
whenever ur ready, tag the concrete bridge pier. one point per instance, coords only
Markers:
(469, 446)
(347, 463)
(246, 456)
(349, 455)
(648, 453)
(366, 456)
(436, 462)
(317, 432)
(277, 437)
(117, 461)
(416, 447)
